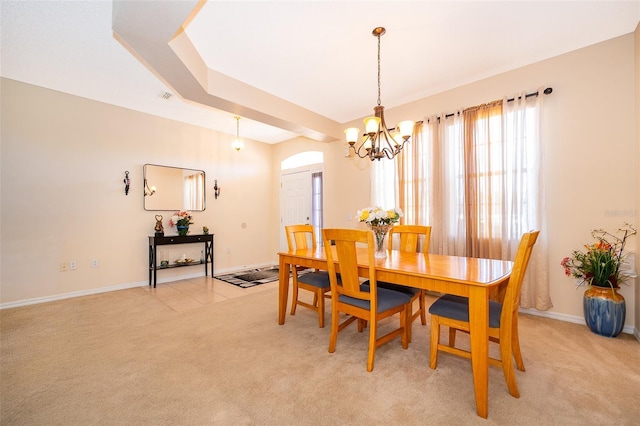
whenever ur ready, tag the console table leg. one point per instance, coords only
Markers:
(151, 263)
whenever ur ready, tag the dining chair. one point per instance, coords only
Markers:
(362, 301)
(412, 238)
(317, 282)
(453, 312)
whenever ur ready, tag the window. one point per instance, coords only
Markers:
(471, 175)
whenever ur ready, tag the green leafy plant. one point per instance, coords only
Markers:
(600, 264)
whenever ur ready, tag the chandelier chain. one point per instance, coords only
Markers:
(379, 69)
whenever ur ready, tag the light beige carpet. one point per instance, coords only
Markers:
(124, 358)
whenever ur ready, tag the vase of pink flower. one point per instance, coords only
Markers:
(181, 220)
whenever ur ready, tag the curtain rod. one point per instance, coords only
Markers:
(546, 91)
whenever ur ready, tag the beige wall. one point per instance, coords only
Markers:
(63, 164)
(63, 161)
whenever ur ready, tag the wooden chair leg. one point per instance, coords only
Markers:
(408, 313)
(435, 341)
(294, 297)
(452, 337)
(335, 322)
(372, 345)
(423, 310)
(515, 345)
(507, 367)
(319, 296)
(405, 323)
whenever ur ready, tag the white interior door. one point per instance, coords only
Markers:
(295, 201)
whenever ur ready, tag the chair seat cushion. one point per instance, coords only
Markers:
(411, 291)
(457, 308)
(387, 299)
(318, 279)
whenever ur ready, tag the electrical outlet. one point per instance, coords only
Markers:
(72, 265)
(94, 263)
(64, 267)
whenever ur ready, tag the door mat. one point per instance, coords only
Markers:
(252, 277)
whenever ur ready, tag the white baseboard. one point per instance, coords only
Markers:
(70, 295)
(629, 329)
(161, 280)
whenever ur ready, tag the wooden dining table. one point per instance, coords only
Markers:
(474, 278)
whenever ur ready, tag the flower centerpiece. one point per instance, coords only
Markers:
(181, 220)
(599, 268)
(379, 221)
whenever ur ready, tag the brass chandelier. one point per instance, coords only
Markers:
(378, 141)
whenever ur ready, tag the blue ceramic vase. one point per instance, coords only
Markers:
(604, 310)
(183, 230)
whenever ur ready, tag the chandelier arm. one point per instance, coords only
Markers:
(358, 151)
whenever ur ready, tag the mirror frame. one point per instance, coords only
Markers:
(172, 203)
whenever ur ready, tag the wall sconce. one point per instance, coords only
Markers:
(216, 189)
(127, 182)
(148, 191)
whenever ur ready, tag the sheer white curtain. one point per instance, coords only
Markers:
(524, 206)
(384, 183)
(193, 188)
(447, 216)
(415, 174)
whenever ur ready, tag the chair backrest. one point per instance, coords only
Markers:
(345, 254)
(512, 295)
(409, 236)
(298, 236)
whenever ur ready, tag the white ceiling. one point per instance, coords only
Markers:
(318, 57)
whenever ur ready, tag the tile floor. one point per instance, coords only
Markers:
(192, 293)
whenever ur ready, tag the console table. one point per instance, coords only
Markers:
(154, 242)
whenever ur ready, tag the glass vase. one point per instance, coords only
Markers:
(380, 232)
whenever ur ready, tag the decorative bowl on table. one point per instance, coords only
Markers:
(184, 261)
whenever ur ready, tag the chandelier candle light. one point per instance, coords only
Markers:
(378, 141)
(379, 221)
